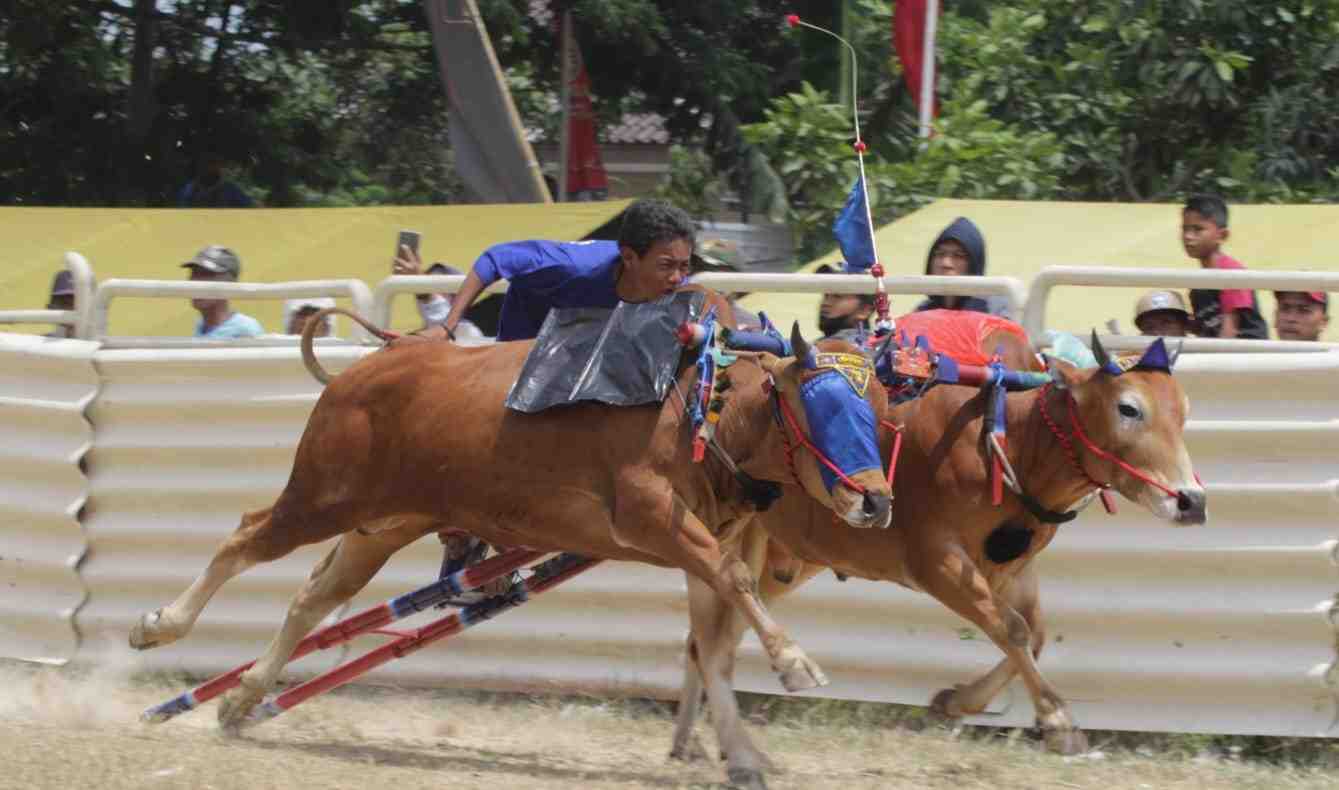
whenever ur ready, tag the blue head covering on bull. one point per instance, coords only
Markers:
(960, 250)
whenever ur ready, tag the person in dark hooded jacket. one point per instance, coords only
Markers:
(960, 250)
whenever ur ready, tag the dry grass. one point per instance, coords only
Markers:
(62, 730)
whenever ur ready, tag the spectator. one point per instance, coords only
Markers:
(210, 188)
(843, 316)
(719, 255)
(434, 308)
(1227, 313)
(651, 258)
(62, 298)
(298, 311)
(218, 321)
(960, 250)
(1301, 315)
(1162, 313)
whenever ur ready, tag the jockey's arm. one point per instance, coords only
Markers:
(469, 291)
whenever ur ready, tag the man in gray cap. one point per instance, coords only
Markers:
(218, 321)
(1162, 313)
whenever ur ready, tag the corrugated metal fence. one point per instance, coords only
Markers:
(1224, 628)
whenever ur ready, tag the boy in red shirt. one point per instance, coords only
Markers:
(1227, 313)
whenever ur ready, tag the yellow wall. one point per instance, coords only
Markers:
(274, 245)
(1022, 237)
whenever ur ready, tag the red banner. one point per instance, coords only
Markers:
(586, 179)
(909, 41)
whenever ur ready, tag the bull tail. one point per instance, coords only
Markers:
(308, 332)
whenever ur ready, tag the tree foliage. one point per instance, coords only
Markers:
(110, 102)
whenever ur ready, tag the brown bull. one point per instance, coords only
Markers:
(417, 439)
(948, 539)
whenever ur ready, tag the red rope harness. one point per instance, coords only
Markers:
(1088, 443)
(804, 441)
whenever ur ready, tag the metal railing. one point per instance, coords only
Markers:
(354, 290)
(1034, 317)
(385, 291)
(1010, 289)
(82, 275)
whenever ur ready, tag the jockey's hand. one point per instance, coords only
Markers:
(407, 262)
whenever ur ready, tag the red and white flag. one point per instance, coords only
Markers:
(586, 178)
(914, 26)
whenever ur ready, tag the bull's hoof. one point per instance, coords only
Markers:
(146, 634)
(803, 674)
(1071, 741)
(941, 706)
(236, 705)
(745, 779)
(690, 751)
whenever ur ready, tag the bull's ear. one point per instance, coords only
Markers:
(800, 347)
(1064, 376)
(768, 362)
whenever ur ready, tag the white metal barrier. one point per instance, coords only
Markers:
(1034, 317)
(1225, 628)
(1008, 288)
(355, 290)
(45, 385)
(82, 277)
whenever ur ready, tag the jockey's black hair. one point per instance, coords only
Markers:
(649, 221)
(1210, 207)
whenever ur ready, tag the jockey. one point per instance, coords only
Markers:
(651, 258)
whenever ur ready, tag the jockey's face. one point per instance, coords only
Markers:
(663, 268)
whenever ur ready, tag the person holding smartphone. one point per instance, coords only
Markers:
(433, 308)
(651, 258)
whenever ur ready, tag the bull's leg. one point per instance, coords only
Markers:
(685, 745)
(714, 657)
(957, 583)
(335, 579)
(665, 527)
(716, 630)
(973, 697)
(255, 541)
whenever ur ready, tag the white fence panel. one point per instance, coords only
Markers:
(45, 384)
(187, 440)
(1223, 628)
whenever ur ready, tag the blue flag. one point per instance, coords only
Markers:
(853, 232)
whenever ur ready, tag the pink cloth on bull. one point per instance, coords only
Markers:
(957, 333)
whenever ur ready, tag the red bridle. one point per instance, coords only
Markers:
(1091, 447)
(784, 410)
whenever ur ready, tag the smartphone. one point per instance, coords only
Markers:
(407, 238)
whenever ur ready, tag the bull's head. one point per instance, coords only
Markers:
(833, 397)
(1134, 411)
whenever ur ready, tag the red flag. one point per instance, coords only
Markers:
(909, 41)
(586, 179)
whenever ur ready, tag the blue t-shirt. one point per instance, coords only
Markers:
(236, 325)
(545, 274)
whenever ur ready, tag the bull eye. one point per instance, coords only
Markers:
(1128, 411)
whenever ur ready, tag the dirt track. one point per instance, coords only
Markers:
(61, 731)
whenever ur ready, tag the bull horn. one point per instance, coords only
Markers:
(799, 347)
(1103, 359)
(1174, 354)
